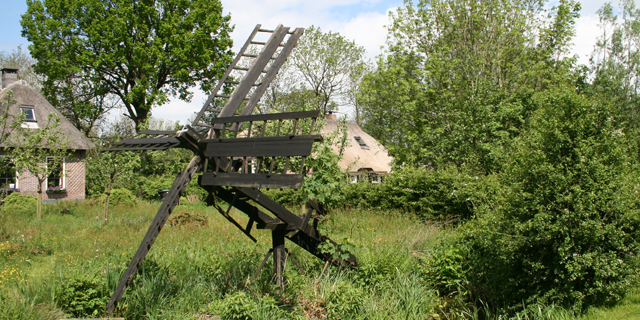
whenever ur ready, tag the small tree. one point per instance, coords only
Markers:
(32, 148)
(109, 166)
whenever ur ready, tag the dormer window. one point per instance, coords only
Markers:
(28, 113)
(361, 142)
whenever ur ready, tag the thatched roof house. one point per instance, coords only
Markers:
(69, 183)
(364, 158)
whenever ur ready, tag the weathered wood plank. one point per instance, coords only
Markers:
(252, 75)
(268, 116)
(254, 180)
(264, 147)
(138, 141)
(271, 74)
(178, 187)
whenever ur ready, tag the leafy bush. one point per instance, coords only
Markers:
(286, 196)
(122, 196)
(428, 193)
(83, 295)
(146, 187)
(561, 229)
(18, 203)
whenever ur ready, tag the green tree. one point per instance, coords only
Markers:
(456, 83)
(322, 72)
(39, 152)
(105, 167)
(615, 61)
(143, 52)
(562, 227)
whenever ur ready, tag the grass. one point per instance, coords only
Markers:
(68, 264)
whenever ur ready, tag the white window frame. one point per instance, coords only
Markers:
(28, 123)
(63, 182)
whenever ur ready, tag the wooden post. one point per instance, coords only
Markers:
(279, 254)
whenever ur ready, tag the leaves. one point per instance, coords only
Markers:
(141, 52)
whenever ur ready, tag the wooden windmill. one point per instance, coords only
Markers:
(239, 152)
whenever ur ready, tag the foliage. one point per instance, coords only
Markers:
(562, 228)
(615, 60)
(443, 193)
(456, 84)
(83, 295)
(323, 72)
(165, 46)
(286, 196)
(122, 196)
(344, 301)
(18, 203)
(106, 168)
(327, 178)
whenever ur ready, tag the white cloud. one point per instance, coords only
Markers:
(366, 28)
(359, 20)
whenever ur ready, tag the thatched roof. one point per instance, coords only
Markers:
(24, 95)
(372, 155)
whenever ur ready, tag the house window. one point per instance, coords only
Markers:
(7, 173)
(55, 179)
(28, 113)
(360, 142)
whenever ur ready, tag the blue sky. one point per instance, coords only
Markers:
(360, 20)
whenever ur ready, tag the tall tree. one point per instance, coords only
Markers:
(457, 80)
(322, 72)
(615, 61)
(143, 52)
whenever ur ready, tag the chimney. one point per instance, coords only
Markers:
(331, 116)
(9, 76)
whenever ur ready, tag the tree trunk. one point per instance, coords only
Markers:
(39, 205)
(106, 203)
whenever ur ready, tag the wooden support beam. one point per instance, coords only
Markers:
(282, 146)
(252, 180)
(170, 202)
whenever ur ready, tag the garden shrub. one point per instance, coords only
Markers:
(428, 193)
(146, 187)
(561, 230)
(122, 196)
(82, 295)
(18, 203)
(293, 197)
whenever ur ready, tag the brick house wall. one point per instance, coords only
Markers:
(73, 180)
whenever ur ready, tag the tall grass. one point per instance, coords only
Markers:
(68, 264)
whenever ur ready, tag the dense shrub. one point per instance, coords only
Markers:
(286, 196)
(122, 196)
(562, 227)
(146, 187)
(428, 193)
(18, 203)
(82, 295)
